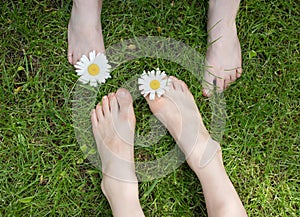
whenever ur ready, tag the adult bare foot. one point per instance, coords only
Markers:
(84, 29)
(223, 56)
(177, 110)
(113, 125)
(179, 113)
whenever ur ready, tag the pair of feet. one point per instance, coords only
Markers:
(113, 124)
(223, 56)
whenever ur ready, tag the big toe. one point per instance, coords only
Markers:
(70, 58)
(126, 118)
(76, 57)
(124, 99)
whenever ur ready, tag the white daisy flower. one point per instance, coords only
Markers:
(154, 82)
(94, 69)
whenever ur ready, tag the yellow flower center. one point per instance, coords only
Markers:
(154, 84)
(93, 69)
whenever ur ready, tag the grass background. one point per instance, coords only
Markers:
(43, 171)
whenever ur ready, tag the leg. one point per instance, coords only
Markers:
(177, 110)
(113, 125)
(223, 56)
(84, 30)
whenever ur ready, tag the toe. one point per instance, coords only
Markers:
(99, 112)
(113, 103)
(94, 118)
(170, 83)
(70, 58)
(208, 88)
(105, 106)
(239, 72)
(206, 92)
(124, 99)
(220, 84)
(226, 82)
(176, 83)
(183, 85)
(232, 78)
(75, 58)
(208, 84)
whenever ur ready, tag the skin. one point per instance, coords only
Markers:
(84, 29)
(113, 126)
(223, 56)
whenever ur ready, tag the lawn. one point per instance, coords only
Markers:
(45, 173)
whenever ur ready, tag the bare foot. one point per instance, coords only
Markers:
(113, 126)
(84, 30)
(177, 110)
(223, 56)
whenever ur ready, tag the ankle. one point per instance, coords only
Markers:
(122, 196)
(208, 166)
(89, 10)
(203, 152)
(86, 3)
(222, 13)
(214, 170)
(112, 187)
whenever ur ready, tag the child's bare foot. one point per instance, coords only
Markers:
(113, 126)
(84, 30)
(177, 110)
(223, 56)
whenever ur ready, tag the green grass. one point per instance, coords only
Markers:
(43, 171)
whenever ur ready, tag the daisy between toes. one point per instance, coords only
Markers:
(153, 83)
(93, 69)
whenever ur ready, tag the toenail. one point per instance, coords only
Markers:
(121, 93)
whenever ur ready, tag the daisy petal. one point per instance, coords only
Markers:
(94, 84)
(146, 83)
(83, 80)
(97, 76)
(152, 96)
(92, 55)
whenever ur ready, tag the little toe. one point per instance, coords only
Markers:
(208, 84)
(239, 72)
(206, 92)
(94, 118)
(208, 87)
(105, 106)
(124, 99)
